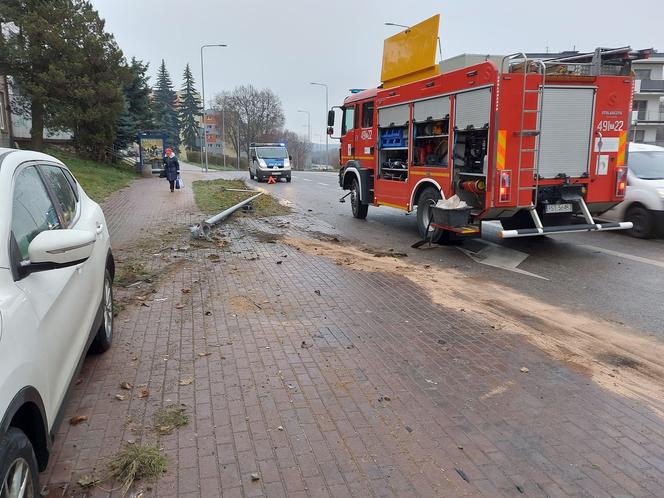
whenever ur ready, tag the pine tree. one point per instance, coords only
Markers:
(190, 111)
(67, 68)
(137, 114)
(165, 110)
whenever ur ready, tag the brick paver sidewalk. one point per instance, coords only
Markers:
(331, 382)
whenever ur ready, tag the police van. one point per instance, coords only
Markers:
(269, 160)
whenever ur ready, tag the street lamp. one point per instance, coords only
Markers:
(203, 98)
(326, 109)
(308, 129)
(440, 49)
(308, 123)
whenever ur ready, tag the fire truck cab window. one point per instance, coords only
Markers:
(349, 120)
(367, 114)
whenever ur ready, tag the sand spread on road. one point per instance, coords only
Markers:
(614, 356)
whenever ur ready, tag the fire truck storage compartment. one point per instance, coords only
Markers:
(393, 142)
(472, 113)
(565, 132)
(431, 122)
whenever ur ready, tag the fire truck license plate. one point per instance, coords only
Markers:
(558, 208)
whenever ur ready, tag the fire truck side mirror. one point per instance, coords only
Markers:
(330, 130)
(330, 119)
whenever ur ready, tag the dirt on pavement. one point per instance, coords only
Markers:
(613, 356)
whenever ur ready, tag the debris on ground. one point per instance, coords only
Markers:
(186, 290)
(126, 385)
(524, 370)
(305, 345)
(255, 476)
(144, 393)
(186, 382)
(462, 474)
(280, 428)
(88, 481)
(317, 292)
(137, 462)
(77, 419)
(170, 418)
(409, 428)
(121, 397)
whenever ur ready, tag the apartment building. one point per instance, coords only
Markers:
(648, 111)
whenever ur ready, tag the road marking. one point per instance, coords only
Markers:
(631, 257)
(499, 257)
(306, 180)
(323, 184)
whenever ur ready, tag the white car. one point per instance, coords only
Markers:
(644, 198)
(56, 303)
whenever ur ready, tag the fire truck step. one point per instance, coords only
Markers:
(529, 133)
(532, 110)
(528, 150)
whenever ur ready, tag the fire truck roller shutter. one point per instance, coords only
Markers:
(472, 109)
(432, 109)
(397, 115)
(566, 127)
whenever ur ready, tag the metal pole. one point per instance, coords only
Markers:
(203, 96)
(223, 133)
(308, 127)
(238, 141)
(327, 105)
(204, 138)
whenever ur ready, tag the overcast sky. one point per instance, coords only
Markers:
(285, 44)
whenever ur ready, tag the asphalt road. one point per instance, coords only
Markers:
(607, 274)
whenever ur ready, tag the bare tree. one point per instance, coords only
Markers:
(251, 114)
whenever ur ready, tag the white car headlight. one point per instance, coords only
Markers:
(286, 163)
(261, 162)
(660, 192)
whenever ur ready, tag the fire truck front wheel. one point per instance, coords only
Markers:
(359, 208)
(428, 198)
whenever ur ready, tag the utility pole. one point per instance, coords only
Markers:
(238, 141)
(308, 131)
(327, 108)
(223, 133)
(203, 99)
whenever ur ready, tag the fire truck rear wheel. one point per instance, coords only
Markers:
(428, 198)
(359, 208)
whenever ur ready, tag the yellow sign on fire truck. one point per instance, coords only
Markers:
(411, 55)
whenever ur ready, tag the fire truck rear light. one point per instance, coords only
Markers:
(504, 189)
(621, 181)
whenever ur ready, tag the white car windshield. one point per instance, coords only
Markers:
(271, 152)
(647, 165)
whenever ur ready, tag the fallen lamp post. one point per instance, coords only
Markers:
(202, 230)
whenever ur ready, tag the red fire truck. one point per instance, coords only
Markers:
(532, 142)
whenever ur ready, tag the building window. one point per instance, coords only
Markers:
(639, 135)
(640, 107)
(659, 135)
(642, 74)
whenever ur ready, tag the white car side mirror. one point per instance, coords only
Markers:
(53, 249)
